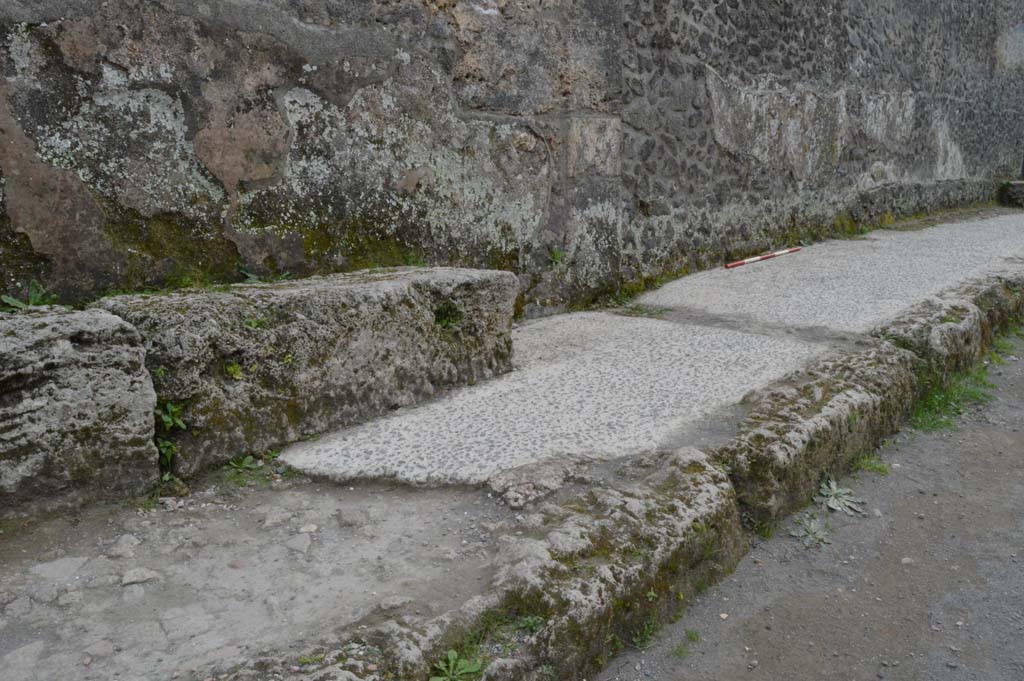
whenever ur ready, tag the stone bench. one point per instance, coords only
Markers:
(76, 409)
(254, 367)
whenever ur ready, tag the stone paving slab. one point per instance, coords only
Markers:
(604, 386)
(853, 285)
(594, 385)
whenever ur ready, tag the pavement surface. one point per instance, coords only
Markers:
(929, 586)
(258, 563)
(606, 386)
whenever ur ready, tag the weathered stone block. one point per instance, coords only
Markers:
(257, 366)
(76, 408)
(1012, 194)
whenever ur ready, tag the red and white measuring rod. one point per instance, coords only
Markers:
(766, 256)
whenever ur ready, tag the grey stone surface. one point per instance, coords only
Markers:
(255, 367)
(599, 385)
(853, 285)
(229, 589)
(580, 143)
(76, 408)
(594, 385)
(1012, 194)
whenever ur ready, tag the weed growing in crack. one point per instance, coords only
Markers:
(681, 651)
(810, 530)
(455, 668)
(832, 497)
(938, 409)
(168, 418)
(692, 635)
(234, 370)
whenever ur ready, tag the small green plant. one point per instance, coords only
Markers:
(160, 372)
(643, 637)
(235, 371)
(168, 450)
(256, 323)
(244, 463)
(169, 417)
(810, 530)
(614, 644)
(692, 635)
(454, 668)
(832, 497)
(765, 530)
(36, 296)
(652, 596)
(871, 463)
(531, 624)
(447, 314)
(940, 407)
(681, 651)
(557, 256)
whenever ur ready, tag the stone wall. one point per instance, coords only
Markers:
(587, 145)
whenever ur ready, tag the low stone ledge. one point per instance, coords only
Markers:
(819, 421)
(822, 418)
(597, 567)
(257, 366)
(76, 409)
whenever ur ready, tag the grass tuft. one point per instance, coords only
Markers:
(939, 408)
(871, 463)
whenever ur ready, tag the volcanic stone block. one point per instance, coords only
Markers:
(76, 408)
(257, 366)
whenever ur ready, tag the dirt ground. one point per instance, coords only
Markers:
(928, 585)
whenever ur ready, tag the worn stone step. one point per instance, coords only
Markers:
(256, 366)
(76, 408)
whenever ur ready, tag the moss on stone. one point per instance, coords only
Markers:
(171, 250)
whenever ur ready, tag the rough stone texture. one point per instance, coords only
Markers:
(602, 563)
(951, 332)
(587, 145)
(76, 409)
(1012, 194)
(257, 366)
(818, 422)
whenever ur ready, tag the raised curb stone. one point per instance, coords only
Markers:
(76, 408)
(258, 366)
